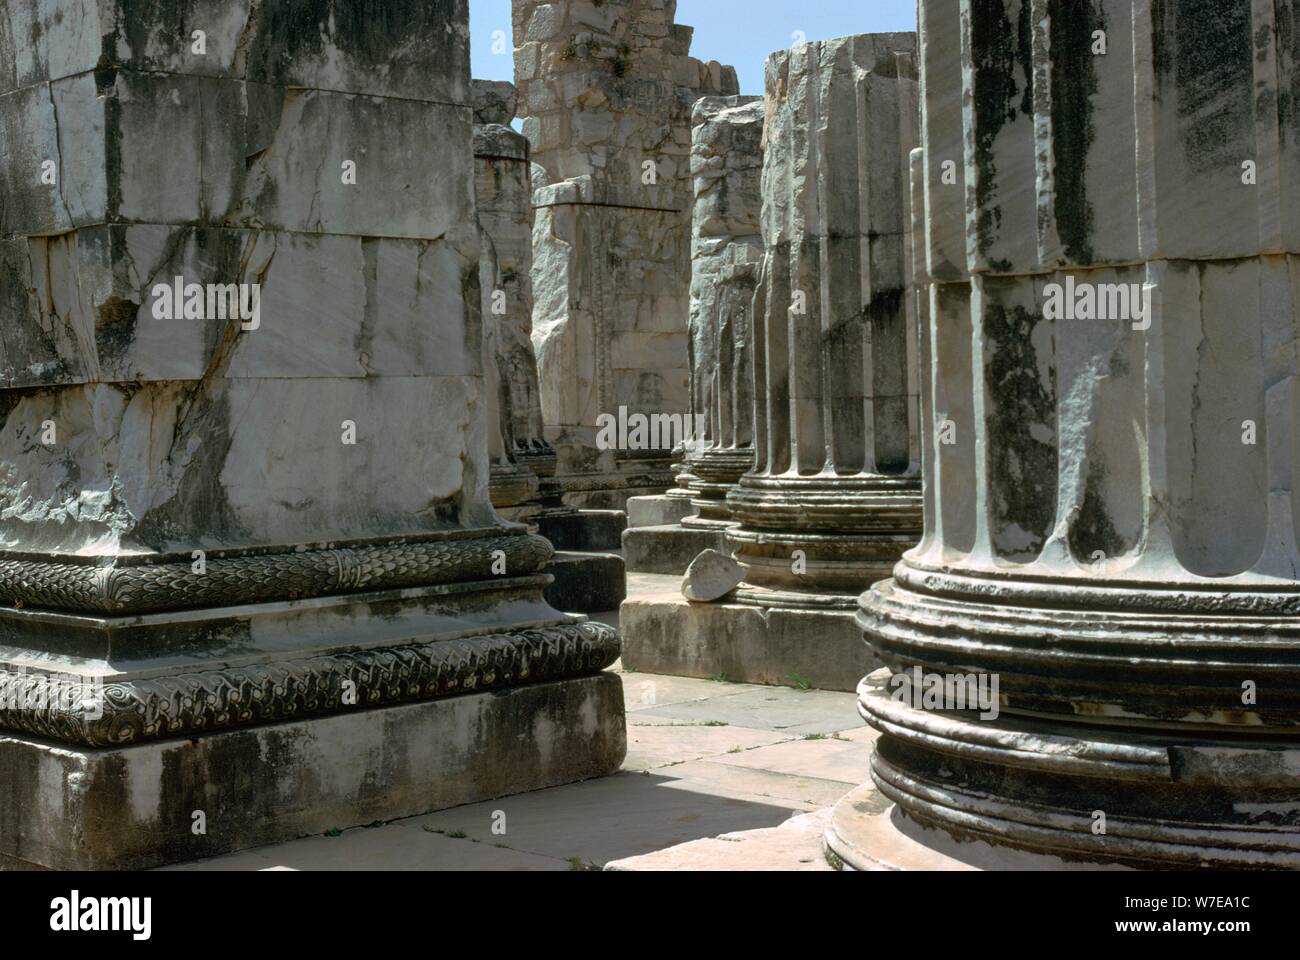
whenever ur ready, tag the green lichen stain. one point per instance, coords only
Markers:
(1022, 467)
(1001, 52)
(1093, 530)
(1204, 49)
(1288, 45)
(1074, 84)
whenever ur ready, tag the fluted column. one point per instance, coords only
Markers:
(1110, 412)
(726, 254)
(834, 496)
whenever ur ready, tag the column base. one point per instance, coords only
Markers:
(665, 633)
(1086, 792)
(867, 832)
(135, 807)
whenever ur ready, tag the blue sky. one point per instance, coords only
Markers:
(739, 32)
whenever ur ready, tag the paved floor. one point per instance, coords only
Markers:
(704, 758)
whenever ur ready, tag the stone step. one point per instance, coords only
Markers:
(668, 549)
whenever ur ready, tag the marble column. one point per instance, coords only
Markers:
(606, 91)
(727, 251)
(250, 576)
(834, 496)
(1110, 411)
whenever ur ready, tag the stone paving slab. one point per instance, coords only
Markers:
(706, 758)
(659, 745)
(771, 708)
(642, 692)
(764, 783)
(381, 848)
(795, 845)
(620, 816)
(843, 761)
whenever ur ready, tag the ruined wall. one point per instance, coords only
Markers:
(248, 562)
(606, 91)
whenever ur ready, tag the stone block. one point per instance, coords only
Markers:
(586, 582)
(585, 530)
(177, 149)
(657, 511)
(665, 633)
(83, 306)
(132, 807)
(668, 549)
(409, 49)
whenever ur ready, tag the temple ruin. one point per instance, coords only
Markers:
(377, 442)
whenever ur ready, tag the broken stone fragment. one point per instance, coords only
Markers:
(711, 576)
(494, 101)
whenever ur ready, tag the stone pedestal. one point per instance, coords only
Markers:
(606, 91)
(1112, 534)
(250, 577)
(834, 496)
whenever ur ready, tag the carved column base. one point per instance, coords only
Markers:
(1142, 723)
(814, 542)
(283, 653)
(716, 473)
(513, 489)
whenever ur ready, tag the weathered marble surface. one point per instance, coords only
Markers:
(408, 49)
(606, 91)
(1111, 519)
(212, 522)
(834, 497)
(726, 257)
(503, 194)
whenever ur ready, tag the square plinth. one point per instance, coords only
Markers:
(663, 632)
(169, 801)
